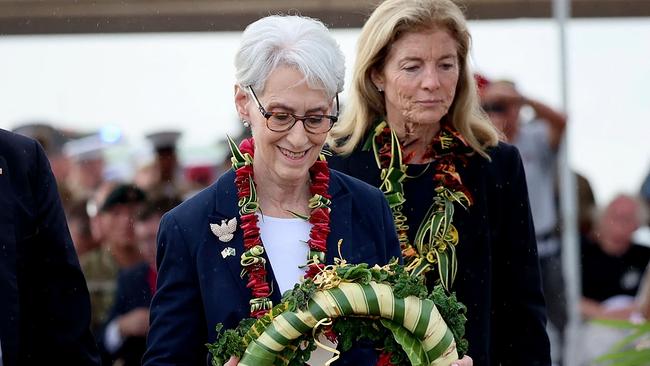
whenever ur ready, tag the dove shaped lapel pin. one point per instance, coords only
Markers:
(224, 231)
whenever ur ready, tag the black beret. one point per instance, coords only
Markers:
(123, 194)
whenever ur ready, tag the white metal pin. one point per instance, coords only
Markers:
(227, 252)
(224, 231)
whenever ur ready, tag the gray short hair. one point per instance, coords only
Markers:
(296, 41)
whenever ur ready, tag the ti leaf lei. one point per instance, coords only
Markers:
(252, 260)
(434, 245)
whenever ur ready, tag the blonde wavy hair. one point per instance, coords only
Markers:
(391, 20)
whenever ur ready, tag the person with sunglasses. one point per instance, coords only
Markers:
(503, 102)
(220, 262)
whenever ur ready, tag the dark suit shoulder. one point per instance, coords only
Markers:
(196, 205)
(356, 163)
(353, 185)
(13, 142)
(40, 239)
(203, 204)
(504, 154)
(22, 153)
(503, 167)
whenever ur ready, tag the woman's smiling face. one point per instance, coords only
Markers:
(285, 156)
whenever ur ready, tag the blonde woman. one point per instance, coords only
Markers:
(413, 127)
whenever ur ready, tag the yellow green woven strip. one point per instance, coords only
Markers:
(416, 322)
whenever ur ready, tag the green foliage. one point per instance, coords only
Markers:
(349, 330)
(631, 357)
(406, 285)
(453, 312)
(254, 328)
(381, 276)
(297, 353)
(303, 351)
(298, 298)
(410, 344)
(358, 273)
(352, 330)
(229, 343)
(632, 350)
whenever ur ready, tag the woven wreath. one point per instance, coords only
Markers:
(348, 303)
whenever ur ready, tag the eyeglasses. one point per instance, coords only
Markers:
(283, 121)
(495, 107)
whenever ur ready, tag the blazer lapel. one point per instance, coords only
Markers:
(340, 220)
(226, 208)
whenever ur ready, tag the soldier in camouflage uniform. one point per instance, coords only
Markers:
(100, 269)
(114, 225)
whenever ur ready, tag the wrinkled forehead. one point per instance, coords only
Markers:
(289, 83)
(286, 76)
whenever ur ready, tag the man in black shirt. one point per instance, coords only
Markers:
(612, 265)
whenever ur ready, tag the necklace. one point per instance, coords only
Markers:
(252, 260)
(436, 238)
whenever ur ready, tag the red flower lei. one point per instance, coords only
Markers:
(252, 260)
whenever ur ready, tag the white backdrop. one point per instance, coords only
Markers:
(144, 82)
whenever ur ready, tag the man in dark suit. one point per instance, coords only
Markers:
(44, 306)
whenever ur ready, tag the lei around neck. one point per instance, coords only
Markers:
(253, 261)
(350, 303)
(434, 245)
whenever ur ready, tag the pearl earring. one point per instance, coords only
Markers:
(247, 124)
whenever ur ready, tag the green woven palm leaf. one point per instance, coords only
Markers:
(238, 159)
(449, 214)
(425, 336)
(447, 266)
(411, 345)
(260, 325)
(433, 220)
(421, 269)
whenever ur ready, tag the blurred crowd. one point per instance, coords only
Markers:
(613, 260)
(113, 219)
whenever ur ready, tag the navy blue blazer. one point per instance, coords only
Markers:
(133, 291)
(44, 301)
(198, 288)
(498, 275)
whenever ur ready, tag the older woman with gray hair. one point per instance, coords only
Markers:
(289, 72)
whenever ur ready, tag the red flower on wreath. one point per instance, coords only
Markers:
(384, 359)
